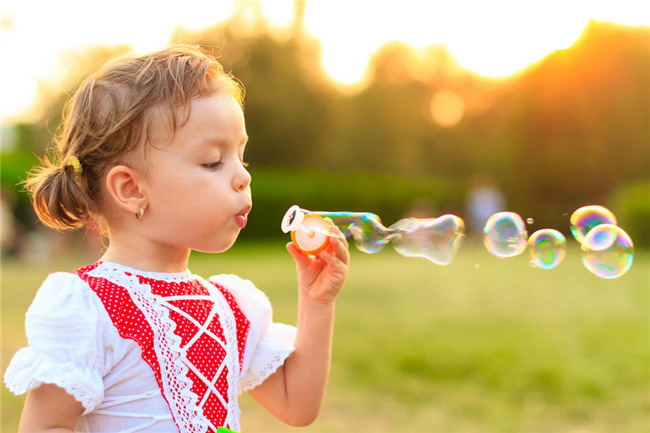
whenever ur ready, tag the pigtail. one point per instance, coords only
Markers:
(59, 196)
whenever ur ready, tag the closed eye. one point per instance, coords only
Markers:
(212, 165)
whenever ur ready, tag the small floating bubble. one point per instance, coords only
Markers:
(530, 221)
(505, 235)
(615, 259)
(588, 217)
(547, 248)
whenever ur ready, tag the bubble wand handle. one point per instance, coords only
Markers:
(369, 234)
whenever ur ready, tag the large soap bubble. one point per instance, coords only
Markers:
(435, 239)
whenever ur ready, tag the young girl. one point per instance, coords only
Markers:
(152, 148)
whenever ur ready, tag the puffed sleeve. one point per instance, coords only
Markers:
(268, 344)
(65, 347)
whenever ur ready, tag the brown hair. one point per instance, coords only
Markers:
(105, 120)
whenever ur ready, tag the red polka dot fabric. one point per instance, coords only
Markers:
(201, 334)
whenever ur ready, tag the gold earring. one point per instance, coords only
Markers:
(138, 216)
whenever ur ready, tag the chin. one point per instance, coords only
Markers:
(220, 248)
(211, 250)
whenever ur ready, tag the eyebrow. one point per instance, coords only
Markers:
(219, 141)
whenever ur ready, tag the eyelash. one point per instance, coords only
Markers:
(212, 165)
(216, 164)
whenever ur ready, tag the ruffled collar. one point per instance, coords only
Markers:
(185, 275)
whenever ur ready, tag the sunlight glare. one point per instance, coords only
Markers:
(514, 36)
(279, 13)
(494, 39)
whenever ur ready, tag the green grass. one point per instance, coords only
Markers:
(481, 345)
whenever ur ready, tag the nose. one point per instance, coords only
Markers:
(242, 179)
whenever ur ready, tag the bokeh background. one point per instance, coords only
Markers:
(402, 109)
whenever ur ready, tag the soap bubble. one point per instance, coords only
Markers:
(612, 261)
(530, 220)
(601, 239)
(367, 230)
(547, 248)
(505, 235)
(435, 239)
(588, 217)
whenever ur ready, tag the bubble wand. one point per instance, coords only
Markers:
(435, 239)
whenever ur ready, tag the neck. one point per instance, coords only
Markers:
(146, 256)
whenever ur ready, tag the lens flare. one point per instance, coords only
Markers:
(612, 261)
(547, 248)
(505, 235)
(588, 217)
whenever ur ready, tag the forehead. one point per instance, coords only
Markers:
(217, 117)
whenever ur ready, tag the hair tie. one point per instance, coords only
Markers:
(75, 163)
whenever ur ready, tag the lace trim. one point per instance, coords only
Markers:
(43, 375)
(271, 367)
(229, 327)
(171, 277)
(182, 401)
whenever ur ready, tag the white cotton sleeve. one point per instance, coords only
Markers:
(268, 344)
(65, 347)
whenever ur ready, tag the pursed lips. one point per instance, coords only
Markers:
(242, 217)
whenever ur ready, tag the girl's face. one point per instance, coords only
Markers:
(198, 187)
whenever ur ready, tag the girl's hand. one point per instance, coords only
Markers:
(321, 277)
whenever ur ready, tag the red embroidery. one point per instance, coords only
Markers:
(204, 353)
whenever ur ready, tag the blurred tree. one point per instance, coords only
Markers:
(384, 122)
(571, 130)
(581, 121)
(291, 111)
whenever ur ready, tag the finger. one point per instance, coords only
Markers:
(339, 247)
(336, 255)
(336, 267)
(301, 258)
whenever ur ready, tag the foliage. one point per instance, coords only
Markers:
(633, 204)
(571, 130)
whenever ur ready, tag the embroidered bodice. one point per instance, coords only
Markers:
(197, 344)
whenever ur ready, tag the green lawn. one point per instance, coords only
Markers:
(482, 345)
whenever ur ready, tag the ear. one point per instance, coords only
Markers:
(127, 188)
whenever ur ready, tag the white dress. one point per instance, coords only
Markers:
(74, 343)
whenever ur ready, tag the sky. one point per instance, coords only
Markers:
(494, 38)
